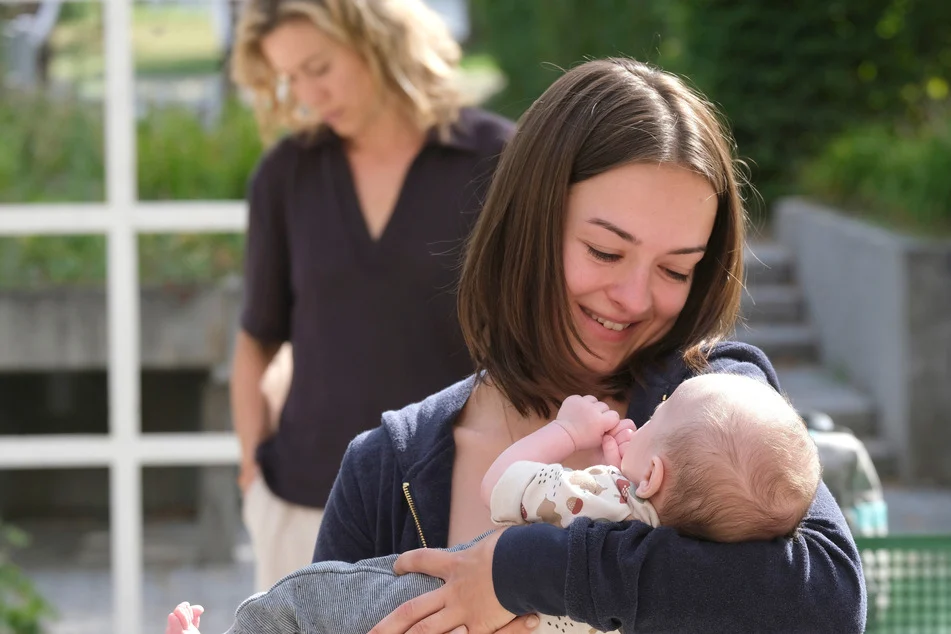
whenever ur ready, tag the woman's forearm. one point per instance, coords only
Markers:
(615, 576)
(248, 408)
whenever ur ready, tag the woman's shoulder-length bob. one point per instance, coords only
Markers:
(512, 300)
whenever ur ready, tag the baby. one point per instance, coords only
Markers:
(725, 458)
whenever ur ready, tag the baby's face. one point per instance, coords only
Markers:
(646, 441)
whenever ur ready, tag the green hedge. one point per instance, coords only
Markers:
(532, 41)
(899, 178)
(792, 76)
(789, 76)
(52, 151)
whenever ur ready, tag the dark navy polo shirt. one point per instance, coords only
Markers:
(373, 322)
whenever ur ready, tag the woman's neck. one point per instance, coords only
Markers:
(489, 398)
(390, 131)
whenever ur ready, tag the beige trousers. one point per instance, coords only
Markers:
(283, 535)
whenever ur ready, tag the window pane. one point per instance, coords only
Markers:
(201, 557)
(51, 114)
(196, 140)
(65, 514)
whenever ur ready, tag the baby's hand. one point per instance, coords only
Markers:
(586, 419)
(184, 619)
(614, 443)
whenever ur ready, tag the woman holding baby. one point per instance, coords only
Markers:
(607, 261)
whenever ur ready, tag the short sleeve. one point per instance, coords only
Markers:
(267, 297)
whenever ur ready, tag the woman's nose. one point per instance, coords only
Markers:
(632, 293)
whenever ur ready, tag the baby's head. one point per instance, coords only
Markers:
(725, 458)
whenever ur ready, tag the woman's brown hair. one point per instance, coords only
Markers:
(513, 304)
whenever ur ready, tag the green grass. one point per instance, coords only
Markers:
(166, 41)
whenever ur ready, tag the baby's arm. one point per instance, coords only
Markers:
(548, 445)
(581, 424)
(531, 492)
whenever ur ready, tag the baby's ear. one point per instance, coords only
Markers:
(652, 482)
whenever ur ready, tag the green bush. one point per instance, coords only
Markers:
(179, 159)
(52, 151)
(900, 178)
(22, 609)
(792, 76)
(532, 41)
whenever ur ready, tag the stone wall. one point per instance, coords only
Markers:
(881, 303)
(53, 380)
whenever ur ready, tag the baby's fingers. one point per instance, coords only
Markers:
(611, 451)
(197, 611)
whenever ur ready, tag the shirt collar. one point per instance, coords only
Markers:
(462, 135)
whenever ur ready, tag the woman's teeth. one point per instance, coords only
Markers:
(610, 325)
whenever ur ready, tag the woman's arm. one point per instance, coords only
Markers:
(653, 580)
(265, 314)
(248, 410)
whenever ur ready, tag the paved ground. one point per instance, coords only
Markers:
(69, 566)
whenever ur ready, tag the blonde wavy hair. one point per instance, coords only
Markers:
(406, 45)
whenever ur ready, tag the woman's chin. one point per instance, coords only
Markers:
(602, 366)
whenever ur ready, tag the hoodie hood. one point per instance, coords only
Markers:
(421, 430)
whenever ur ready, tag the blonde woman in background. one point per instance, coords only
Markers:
(356, 218)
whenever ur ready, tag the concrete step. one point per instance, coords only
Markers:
(812, 387)
(767, 263)
(784, 344)
(774, 303)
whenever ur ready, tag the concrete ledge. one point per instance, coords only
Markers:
(65, 328)
(880, 303)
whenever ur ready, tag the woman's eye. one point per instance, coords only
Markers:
(677, 277)
(316, 71)
(601, 255)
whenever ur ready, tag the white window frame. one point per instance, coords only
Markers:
(124, 450)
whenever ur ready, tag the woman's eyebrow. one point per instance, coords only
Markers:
(613, 228)
(627, 237)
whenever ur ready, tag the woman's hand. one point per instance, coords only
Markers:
(466, 604)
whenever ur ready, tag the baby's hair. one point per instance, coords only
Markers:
(742, 465)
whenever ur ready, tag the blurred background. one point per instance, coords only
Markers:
(841, 111)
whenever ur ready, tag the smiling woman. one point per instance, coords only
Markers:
(607, 262)
(633, 237)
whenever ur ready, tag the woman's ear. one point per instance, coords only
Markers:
(651, 483)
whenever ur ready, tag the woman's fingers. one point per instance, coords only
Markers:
(432, 562)
(520, 625)
(405, 618)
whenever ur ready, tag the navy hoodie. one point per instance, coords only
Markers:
(625, 575)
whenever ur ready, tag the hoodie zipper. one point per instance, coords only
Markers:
(412, 510)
